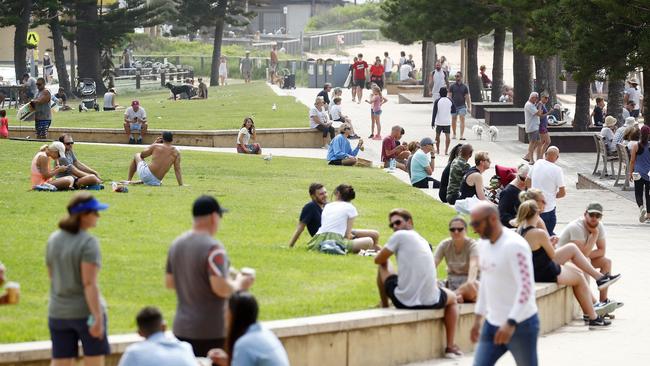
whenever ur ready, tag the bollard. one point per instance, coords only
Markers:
(162, 78)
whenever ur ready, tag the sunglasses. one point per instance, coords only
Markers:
(456, 229)
(68, 143)
(595, 215)
(395, 223)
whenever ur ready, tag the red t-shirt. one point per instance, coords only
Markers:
(360, 70)
(377, 70)
(387, 145)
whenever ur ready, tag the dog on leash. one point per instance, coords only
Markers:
(478, 131)
(493, 132)
(180, 89)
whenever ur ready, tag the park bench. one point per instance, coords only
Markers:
(410, 98)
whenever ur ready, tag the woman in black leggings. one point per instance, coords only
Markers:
(639, 169)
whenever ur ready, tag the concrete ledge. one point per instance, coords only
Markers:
(503, 116)
(267, 137)
(566, 141)
(588, 181)
(396, 88)
(478, 108)
(367, 337)
(410, 98)
(523, 137)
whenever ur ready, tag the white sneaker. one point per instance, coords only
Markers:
(642, 213)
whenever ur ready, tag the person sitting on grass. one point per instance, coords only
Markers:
(338, 116)
(392, 149)
(202, 92)
(416, 286)
(83, 175)
(163, 156)
(422, 164)
(158, 348)
(135, 119)
(4, 124)
(4, 299)
(61, 100)
(110, 104)
(337, 221)
(461, 255)
(311, 212)
(248, 343)
(244, 137)
(41, 172)
(340, 152)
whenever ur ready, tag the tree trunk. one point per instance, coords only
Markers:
(497, 62)
(541, 76)
(473, 78)
(59, 55)
(646, 96)
(88, 49)
(615, 90)
(551, 72)
(218, 38)
(20, 40)
(581, 119)
(521, 67)
(429, 58)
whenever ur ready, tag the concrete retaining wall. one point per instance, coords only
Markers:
(369, 337)
(267, 137)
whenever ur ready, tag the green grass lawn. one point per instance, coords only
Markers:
(135, 232)
(225, 109)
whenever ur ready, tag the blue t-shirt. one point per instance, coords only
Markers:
(419, 163)
(310, 216)
(259, 347)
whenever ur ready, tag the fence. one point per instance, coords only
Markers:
(141, 79)
(332, 39)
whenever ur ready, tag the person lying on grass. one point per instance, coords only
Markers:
(337, 220)
(163, 156)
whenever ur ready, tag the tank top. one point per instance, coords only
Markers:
(544, 269)
(466, 190)
(642, 163)
(37, 177)
(43, 112)
(376, 103)
(4, 127)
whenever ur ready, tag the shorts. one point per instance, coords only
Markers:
(388, 74)
(252, 148)
(391, 284)
(442, 129)
(42, 127)
(66, 334)
(375, 113)
(135, 126)
(146, 176)
(314, 243)
(361, 83)
(460, 111)
(246, 74)
(533, 136)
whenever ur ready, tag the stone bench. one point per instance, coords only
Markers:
(367, 337)
(523, 137)
(478, 108)
(503, 116)
(565, 138)
(267, 137)
(409, 98)
(396, 88)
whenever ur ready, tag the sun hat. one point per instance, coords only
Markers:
(58, 145)
(610, 121)
(92, 205)
(630, 121)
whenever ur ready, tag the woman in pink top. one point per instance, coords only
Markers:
(4, 124)
(376, 101)
(41, 172)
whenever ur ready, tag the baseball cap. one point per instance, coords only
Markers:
(91, 205)
(426, 141)
(134, 103)
(206, 205)
(595, 207)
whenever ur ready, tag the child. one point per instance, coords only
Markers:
(376, 101)
(337, 115)
(223, 71)
(4, 124)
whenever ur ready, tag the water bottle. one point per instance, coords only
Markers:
(392, 164)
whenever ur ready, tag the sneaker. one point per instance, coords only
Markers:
(598, 323)
(453, 352)
(377, 137)
(139, 141)
(607, 280)
(371, 136)
(642, 214)
(131, 140)
(354, 137)
(604, 308)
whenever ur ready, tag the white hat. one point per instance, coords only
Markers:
(630, 121)
(58, 146)
(610, 121)
(633, 81)
(523, 170)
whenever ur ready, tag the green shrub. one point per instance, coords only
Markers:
(363, 16)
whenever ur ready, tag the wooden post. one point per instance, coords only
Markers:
(162, 78)
(202, 65)
(137, 79)
(178, 60)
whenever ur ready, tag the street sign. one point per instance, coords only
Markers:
(32, 39)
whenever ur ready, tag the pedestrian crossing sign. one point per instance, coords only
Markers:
(32, 39)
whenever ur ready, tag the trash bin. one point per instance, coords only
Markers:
(311, 73)
(320, 73)
(329, 70)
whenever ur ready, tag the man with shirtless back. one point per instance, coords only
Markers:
(163, 156)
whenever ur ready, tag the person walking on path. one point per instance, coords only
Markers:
(223, 71)
(460, 97)
(376, 101)
(198, 269)
(388, 67)
(639, 169)
(548, 177)
(246, 67)
(443, 110)
(532, 122)
(506, 298)
(77, 310)
(352, 85)
(273, 65)
(416, 286)
(42, 109)
(360, 68)
(544, 137)
(377, 73)
(633, 94)
(438, 81)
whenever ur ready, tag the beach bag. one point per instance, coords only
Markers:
(331, 247)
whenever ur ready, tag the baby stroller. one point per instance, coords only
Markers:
(87, 90)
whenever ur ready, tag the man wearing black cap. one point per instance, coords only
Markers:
(163, 156)
(198, 269)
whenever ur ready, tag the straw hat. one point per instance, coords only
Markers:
(610, 121)
(630, 121)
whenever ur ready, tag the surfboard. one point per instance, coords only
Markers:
(26, 113)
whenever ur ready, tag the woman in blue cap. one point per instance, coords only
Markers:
(76, 310)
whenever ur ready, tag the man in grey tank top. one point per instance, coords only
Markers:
(198, 269)
(42, 109)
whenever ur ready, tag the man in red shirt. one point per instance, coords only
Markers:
(391, 150)
(360, 67)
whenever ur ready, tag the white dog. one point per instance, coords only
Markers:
(478, 131)
(493, 132)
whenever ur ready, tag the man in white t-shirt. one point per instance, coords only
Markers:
(135, 119)
(438, 80)
(634, 94)
(416, 286)
(548, 177)
(443, 108)
(388, 66)
(532, 122)
(404, 71)
(506, 297)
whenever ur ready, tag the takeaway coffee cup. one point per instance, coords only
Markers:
(246, 271)
(13, 292)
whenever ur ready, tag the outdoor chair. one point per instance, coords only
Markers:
(623, 166)
(597, 143)
(607, 158)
